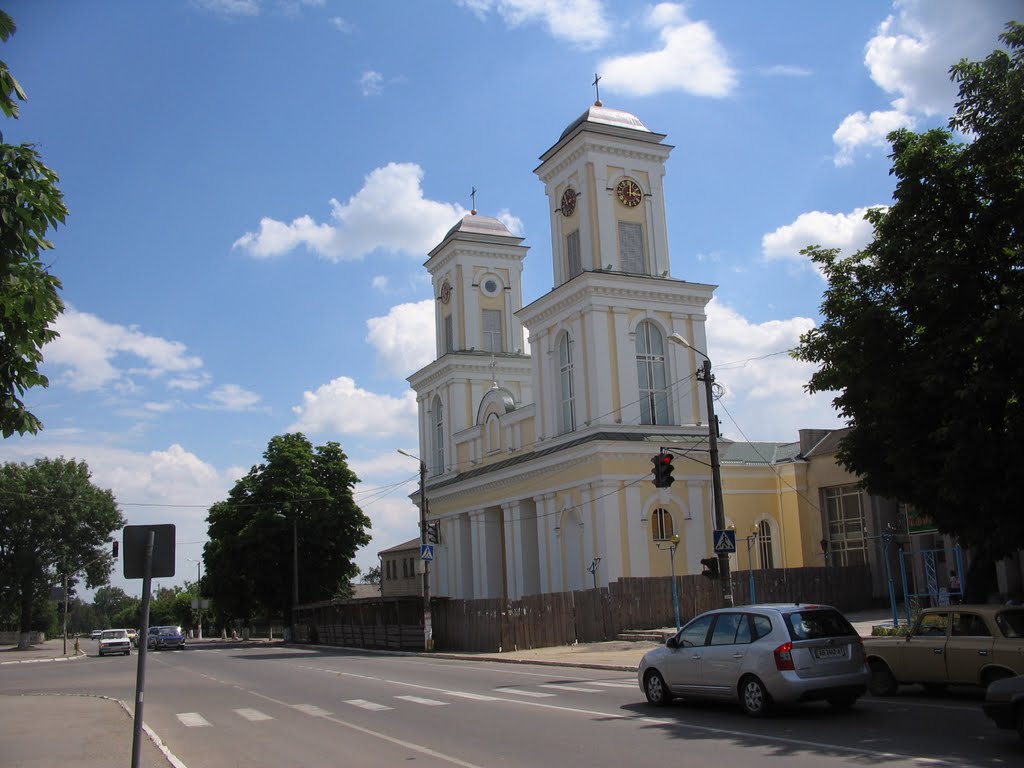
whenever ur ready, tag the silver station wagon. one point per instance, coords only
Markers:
(760, 655)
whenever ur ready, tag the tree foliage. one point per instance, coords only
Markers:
(30, 205)
(55, 522)
(297, 491)
(921, 332)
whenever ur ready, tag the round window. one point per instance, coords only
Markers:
(490, 285)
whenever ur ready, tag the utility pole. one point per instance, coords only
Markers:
(716, 479)
(428, 631)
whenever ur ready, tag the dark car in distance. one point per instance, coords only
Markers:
(1004, 703)
(159, 638)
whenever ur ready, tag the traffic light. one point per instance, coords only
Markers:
(433, 532)
(710, 567)
(662, 470)
(116, 543)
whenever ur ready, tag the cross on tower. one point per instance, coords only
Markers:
(597, 90)
(472, 196)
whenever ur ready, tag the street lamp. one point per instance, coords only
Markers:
(199, 597)
(750, 561)
(671, 547)
(428, 632)
(716, 471)
(295, 570)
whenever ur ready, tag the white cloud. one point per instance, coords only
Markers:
(230, 7)
(764, 396)
(371, 83)
(910, 55)
(189, 382)
(581, 22)
(341, 406)
(404, 338)
(785, 70)
(98, 354)
(689, 59)
(858, 130)
(232, 397)
(380, 282)
(847, 231)
(513, 223)
(340, 24)
(388, 214)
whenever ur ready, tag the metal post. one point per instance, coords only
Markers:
(887, 538)
(716, 481)
(295, 570)
(428, 631)
(140, 675)
(675, 587)
(65, 614)
(750, 565)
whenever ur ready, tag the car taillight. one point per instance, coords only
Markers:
(784, 657)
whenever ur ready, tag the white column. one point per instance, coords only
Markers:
(544, 536)
(698, 528)
(513, 550)
(478, 531)
(639, 533)
(625, 366)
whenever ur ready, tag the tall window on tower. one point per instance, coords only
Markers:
(438, 430)
(449, 335)
(494, 339)
(650, 374)
(764, 544)
(567, 416)
(574, 261)
(631, 248)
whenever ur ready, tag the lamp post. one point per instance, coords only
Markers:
(199, 597)
(428, 632)
(672, 545)
(295, 570)
(750, 561)
(706, 376)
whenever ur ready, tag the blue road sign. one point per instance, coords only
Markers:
(426, 551)
(725, 542)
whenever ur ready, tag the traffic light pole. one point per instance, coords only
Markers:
(716, 481)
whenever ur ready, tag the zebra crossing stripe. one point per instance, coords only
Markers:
(192, 720)
(370, 705)
(253, 715)
(563, 687)
(614, 683)
(309, 709)
(473, 696)
(530, 694)
(427, 702)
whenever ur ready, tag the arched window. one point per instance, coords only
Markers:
(651, 375)
(566, 416)
(493, 434)
(661, 525)
(764, 544)
(438, 458)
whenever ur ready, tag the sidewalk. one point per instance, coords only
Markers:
(96, 732)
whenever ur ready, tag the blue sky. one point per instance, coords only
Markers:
(254, 185)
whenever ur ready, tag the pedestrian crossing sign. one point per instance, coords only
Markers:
(725, 542)
(426, 551)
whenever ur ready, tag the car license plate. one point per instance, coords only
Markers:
(838, 652)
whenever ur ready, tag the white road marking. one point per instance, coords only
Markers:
(309, 709)
(473, 696)
(530, 694)
(614, 683)
(253, 715)
(564, 687)
(420, 700)
(192, 720)
(370, 705)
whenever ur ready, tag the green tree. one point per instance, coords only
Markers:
(109, 603)
(372, 576)
(30, 205)
(297, 491)
(55, 522)
(921, 331)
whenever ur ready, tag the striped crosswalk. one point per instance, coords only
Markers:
(440, 698)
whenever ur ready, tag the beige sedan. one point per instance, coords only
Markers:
(950, 645)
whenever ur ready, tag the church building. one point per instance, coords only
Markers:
(539, 458)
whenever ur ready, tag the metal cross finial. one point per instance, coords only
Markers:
(597, 89)
(472, 195)
(494, 373)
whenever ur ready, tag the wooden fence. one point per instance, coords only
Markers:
(592, 615)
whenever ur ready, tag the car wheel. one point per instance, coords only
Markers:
(992, 675)
(656, 690)
(842, 702)
(754, 697)
(883, 682)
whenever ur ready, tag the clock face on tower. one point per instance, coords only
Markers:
(629, 193)
(568, 202)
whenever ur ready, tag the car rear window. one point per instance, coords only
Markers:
(817, 623)
(1011, 623)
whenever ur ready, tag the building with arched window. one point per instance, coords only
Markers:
(540, 453)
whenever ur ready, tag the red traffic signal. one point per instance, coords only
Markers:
(710, 567)
(662, 470)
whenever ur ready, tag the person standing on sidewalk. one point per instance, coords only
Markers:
(954, 588)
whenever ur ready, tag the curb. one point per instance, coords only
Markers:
(81, 655)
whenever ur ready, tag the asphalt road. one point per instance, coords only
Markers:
(284, 706)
